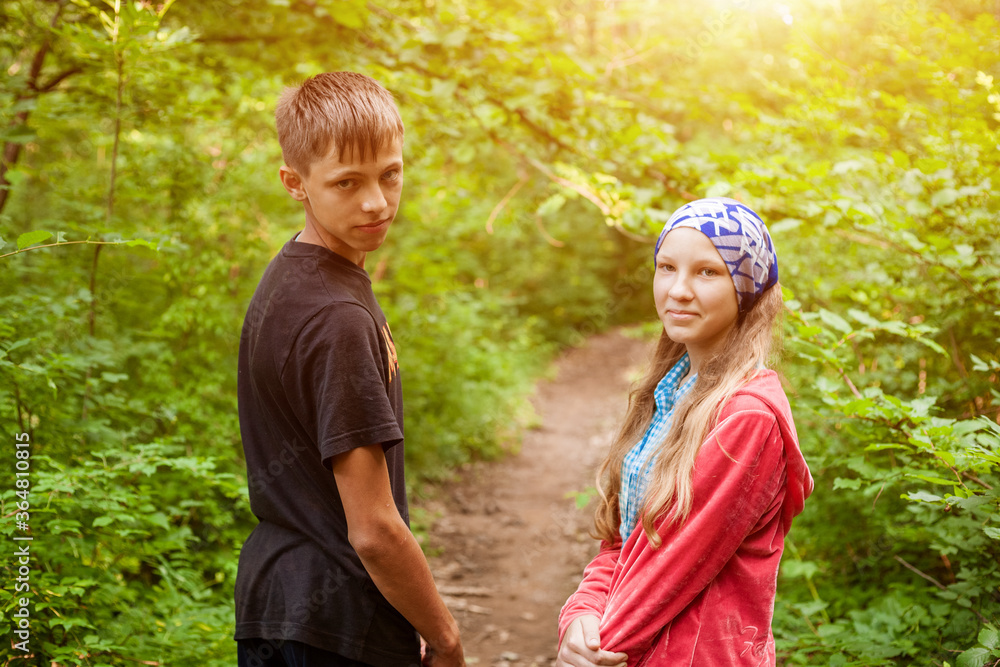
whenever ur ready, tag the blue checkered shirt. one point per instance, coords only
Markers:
(636, 468)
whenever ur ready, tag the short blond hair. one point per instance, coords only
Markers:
(343, 110)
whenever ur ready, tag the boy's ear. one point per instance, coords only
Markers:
(292, 182)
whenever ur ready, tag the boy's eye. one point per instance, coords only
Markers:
(345, 184)
(391, 175)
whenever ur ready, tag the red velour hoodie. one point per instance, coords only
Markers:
(705, 597)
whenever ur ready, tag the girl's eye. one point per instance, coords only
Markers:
(710, 272)
(666, 267)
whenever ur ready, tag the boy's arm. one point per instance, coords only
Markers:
(390, 552)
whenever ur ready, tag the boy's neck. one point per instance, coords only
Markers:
(309, 235)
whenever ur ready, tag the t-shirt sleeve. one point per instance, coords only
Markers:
(337, 380)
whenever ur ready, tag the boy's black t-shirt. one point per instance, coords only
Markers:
(318, 376)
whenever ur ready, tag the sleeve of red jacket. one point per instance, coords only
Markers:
(739, 474)
(592, 594)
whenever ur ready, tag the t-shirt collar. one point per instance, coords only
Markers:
(298, 249)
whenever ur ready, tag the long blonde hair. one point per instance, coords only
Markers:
(748, 344)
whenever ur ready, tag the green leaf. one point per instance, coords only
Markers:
(454, 39)
(862, 317)
(798, 568)
(934, 480)
(552, 204)
(810, 608)
(836, 321)
(69, 623)
(993, 533)
(974, 657)
(101, 521)
(924, 497)
(31, 238)
(841, 483)
(830, 629)
(720, 189)
(945, 197)
(837, 660)
(989, 637)
(785, 225)
(847, 166)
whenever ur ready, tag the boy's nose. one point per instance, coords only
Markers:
(374, 201)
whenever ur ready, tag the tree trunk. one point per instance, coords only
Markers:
(12, 149)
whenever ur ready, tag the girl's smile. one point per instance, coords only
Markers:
(694, 294)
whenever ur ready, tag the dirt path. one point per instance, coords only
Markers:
(513, 545)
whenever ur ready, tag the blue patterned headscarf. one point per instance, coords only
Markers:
(741, 239)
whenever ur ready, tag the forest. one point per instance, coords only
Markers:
(547, 141)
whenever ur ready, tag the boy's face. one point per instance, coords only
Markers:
(349, 205)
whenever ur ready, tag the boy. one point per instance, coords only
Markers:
(331, 575)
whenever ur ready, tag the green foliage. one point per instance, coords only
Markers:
(921, 556)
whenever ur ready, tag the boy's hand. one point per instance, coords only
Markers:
(451, 657)
(391, 554)
(581, 646)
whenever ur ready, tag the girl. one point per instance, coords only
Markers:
(701, 485)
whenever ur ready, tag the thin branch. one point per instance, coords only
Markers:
(520, 113)
(921, 574)
(503, 202)
(18, 405)
(236, 39)
(626, 60)
(91, 326)
(534, 127)
(878, 495)
(956, 355)
(382, 11)
(61, 243)
(662, 179)
(582, 190)
(548, 237)
(92, 315)
(632, 235)
(850, 385)
(12, 149)
(936, 583)
(547, 136)
(120, 62)
(970, 476)
(860, 238)
(57, 79)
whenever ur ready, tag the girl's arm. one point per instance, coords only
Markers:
(592, 593)
(739, 477)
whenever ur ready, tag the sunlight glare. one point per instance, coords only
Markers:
(785, 12)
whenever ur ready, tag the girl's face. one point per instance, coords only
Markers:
(694, 294)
